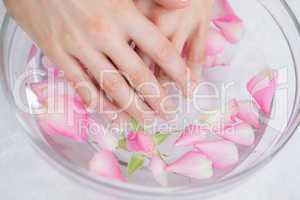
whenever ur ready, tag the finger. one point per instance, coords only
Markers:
(165, 20)
(115, 85)
(172, 4)
(196, 56)
(162, 51)
(181, 36)
(85, 88)
(139, 75)
(145, 6)
(111, 111)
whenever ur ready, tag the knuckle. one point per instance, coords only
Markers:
(164, 53)
(98, 29)
(139, 75)
(112, 83)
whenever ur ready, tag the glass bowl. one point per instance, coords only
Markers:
(272, 39)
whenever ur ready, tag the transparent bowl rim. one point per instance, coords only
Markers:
(83, 175)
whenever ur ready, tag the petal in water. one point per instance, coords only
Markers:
(242, 134)
(192, 164)
(222, 59)
(225, 18)
(232, 28)
(50, 66)
(105, 164)
(139, 142)
(192, 135)
(222, 8)
(223, 153)
(104, 138)
(215, 42)
(246, 112)
(40, 90)
(262, 87)
(32, 53)
(158, 166)
(65, 113)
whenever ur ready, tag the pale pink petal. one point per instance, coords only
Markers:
(105, 139)
(246, 112)
(139, 142)
(65, 114)
(71, 122)
(215, 42)
(41, 90)
(158, 166)
(232, 28)
(223, 153)
(32, 53)
(241, 134)
(105, 164)
(192, 164)
(223, 59)
(48, 65)
(192, 135)
(262, 87)
(222, 8)
(224, 17)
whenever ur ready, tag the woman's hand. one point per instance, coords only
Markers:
(186, 28)
(93, 37)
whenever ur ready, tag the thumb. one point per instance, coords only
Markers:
(173, 4)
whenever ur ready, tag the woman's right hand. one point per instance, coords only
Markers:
(96, 34)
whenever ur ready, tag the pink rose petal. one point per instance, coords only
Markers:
(192, 164)
(32, 53)
(41, 90)
(139, 142)
(105, 139)
(223, 153)
(48, 65)
(71, 123)
(224, 17)
(215, 42)
(241, 134)
(66, 115)
(192, 135)
(105, 164)
(246, 112)
(221, 59)
(232, 28)
(158, 166)
(222, 8)
(262, 87)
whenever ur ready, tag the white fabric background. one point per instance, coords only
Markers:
(25, 175)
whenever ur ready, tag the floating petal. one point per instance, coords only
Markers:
(139, 142)
(105, 164)
(158, 166)
(223, 153)
(215, 42)
(192, 164)
(262, 87)
(242, 134)
(192, 135)
(232, 28)
(49, 65)
(246, 112)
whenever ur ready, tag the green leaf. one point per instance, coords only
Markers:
(135, 163)
(134, 125)
(160, 138)
(122, 144)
